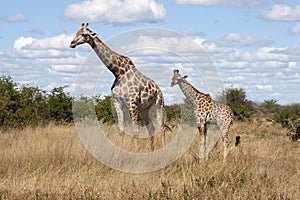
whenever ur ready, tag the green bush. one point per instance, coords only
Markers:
(287, 114)
(104, 109)
(59, 106)
(23, 106)
(240, 105)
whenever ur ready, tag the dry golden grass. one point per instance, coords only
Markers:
(51, 163)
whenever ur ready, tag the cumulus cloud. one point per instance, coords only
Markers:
(45, 62)
(254, 3)
(51, 47)
(264, 71)
(116, 11)
(282, 12)
(61, 41)
(235, 39)
(21, 42)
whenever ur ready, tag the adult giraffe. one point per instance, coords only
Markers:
(206, 109)
(131, 88)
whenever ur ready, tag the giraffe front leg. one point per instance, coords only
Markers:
(225, 144)
(133, 110)
(118, 106)
(161, 123)
(203, 132)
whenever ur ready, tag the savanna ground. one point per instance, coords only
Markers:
(51, 163)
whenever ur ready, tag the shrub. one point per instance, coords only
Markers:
(240, 105)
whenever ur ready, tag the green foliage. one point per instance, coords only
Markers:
(29, 106)
(8, 101)
(23, 106)
(183, 112)
(187, 113)
(83, 108)
(59, 105)
(268, 108)
(271, 105)
(104, 109)
(173, 111)
(286, 115)
(240, 105)
(241, 113)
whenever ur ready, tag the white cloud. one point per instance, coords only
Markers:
(116, 11)
(65, 68)
(235, 39)
(282, 12)
(175, 44)
(34, 61)
(261, 71)
(17, 18)
(21, 42)
(296, 29)
(264, 87)
(254, 3)
(271, 54)
(60, 42)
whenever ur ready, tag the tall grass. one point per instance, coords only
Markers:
(51, 163)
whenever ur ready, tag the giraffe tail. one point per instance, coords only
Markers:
(165, 128)
(237, 140)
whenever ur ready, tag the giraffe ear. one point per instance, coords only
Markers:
(176, 71)
(185, 76)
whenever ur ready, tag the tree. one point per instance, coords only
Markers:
(59, 105)
(104, 109)
(236, 99)
(8, 101)
(172, 112)
(31, 106)
(287, 114)
(83, 108)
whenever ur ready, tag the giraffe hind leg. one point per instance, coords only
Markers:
(134, 118)
(150, 127)
(203, 146)
(161, 123)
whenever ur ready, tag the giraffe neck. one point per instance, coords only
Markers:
(190, 91)
(109, 57)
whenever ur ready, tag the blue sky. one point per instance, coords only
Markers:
(254, 44)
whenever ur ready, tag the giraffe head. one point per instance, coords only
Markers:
(177, 77)
(83, 35)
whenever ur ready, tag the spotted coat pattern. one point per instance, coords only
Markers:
(206, 109)
(131, 88)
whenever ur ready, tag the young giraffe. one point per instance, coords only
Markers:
(131, 88)
(205, 110)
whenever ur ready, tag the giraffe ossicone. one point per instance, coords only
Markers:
(130, 89)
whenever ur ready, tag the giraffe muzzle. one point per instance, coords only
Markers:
(72, 45)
